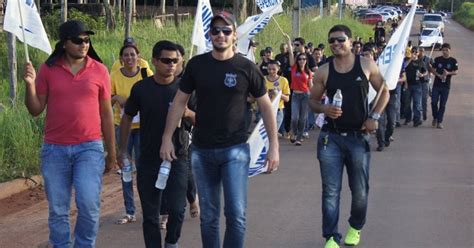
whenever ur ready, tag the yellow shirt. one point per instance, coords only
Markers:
(408, 52)
(122, 85)
(118, 64)
(281, 84)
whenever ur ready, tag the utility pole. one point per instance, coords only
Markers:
(296, 18)
(12, 63)
(321, 8)
(128, 17)
(340, 8)
(452, 6)
(63, 11)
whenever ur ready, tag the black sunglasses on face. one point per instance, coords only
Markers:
(296, 44)
(302, 58)
(225, 30)
(168, 60)
(79, 40)
(339, 39)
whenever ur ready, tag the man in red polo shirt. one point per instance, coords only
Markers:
(75, 86)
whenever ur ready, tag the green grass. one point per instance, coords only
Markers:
(21, 134)
(465, 15)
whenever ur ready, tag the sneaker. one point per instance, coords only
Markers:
(292, 139)
(297, 143)
(126, 219)
(406, 122)
(439, 126)
(380, 148)
(387, 143)
(305, 135)
(434, 123)
(398, 124)
(352, 237)
(280, 135)
(119, 172)
(417, 123)
(330, 243)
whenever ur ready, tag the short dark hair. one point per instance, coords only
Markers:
(180, 49)
(341, 28)
(163, 45)
(300, 40)
(274, 62)
(446, 45)
(356, 43)
(127, 46)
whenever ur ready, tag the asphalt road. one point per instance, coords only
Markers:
(421, 187)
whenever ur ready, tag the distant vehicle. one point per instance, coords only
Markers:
(371, 18)
(386, 16)
(420, 11)
(432, 21)
(430, 37)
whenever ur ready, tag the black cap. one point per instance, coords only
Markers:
(310, 44)
(129, 41)
(72, 28)
(227, 17)
(268, 49)
(321, 46)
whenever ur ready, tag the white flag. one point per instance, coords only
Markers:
(390, 60)
(202, 24)
(35, 34)
(258, 142)
(253, 25)
(266, 5)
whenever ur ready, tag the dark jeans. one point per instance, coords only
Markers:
(387, 121)
(414, 98)
(190, 192)
(287, 116)
(334, 152)
(424, 98)
(439, 96)
(150, 198)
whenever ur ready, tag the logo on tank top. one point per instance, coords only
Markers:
(358, 78)
(230, 80)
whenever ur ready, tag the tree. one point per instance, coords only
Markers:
(11, 40)
(109, 16)
(163, 7)
(128, 17)
(63, 11)
(175, 12)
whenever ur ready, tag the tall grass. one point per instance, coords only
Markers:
(465, 15)
(21, 134)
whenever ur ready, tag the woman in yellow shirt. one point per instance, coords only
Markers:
(122, 81)
(275, 83)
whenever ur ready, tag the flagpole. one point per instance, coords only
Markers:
(191, 52)
(23, 31)
(278, 25)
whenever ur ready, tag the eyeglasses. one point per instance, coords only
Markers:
(168, 60)
(225, 30)
(79, 41)
(339, 39)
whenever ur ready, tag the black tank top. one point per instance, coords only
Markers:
(355, 88)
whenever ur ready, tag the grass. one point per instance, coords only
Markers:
(465, 15)
(21, 135)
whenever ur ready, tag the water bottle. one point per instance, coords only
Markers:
(337, 99)
(127, 170)
(417, 75)
(163, 174)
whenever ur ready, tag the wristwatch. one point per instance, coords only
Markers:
(374, 116)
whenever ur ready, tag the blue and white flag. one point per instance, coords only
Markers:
(202, 24)
(258, 142)
(253, 25)
(35, 35)
(391, 59)
(266, 5)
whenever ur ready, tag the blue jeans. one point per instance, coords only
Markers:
(227, 169)
(398, 94)
(439, 96)
(424, 98)
(299, 113)
(279, 120)
(414, 98)
(63, 167)
(133, 148)
(353, 151)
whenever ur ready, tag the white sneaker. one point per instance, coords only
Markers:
(305, 135)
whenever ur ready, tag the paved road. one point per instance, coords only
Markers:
(421, 195)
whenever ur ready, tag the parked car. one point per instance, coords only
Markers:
(420, 11)
(430, 37)
(432, 21)
(371, 18)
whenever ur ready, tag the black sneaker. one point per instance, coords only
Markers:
(398, 124)
(417, 123)
(380, 148)
(387, 143)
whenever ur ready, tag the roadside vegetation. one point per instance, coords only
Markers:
(465, 15)
(21, 134)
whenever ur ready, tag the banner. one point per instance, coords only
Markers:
(266, 5)
(390, 60)
(253, 25)
(258, 142)
(35, 34)
(202, 24)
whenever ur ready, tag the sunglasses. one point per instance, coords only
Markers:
(301, 58)
(339, 39)
(79, 41)
(297, 44)
(168, 60)
(225, 30)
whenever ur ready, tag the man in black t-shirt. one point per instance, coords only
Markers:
(220, 156)
(443, 67)
(152, 97)
(415, 73)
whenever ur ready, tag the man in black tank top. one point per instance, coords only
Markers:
(344, 138)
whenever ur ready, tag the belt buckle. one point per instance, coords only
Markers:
(343, 134)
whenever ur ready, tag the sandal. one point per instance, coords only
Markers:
(194, 209)
(126, 219)
(163, 222)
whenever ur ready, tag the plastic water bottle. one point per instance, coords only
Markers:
(417, 77)
(337, 99)
(163, 174)
(127, 170)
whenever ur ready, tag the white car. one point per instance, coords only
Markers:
(432, 21)
(430, 37)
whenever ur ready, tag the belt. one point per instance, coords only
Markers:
(342, 132)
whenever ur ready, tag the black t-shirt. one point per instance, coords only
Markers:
(153, 100)
(410, 70)
(284, 63)
(440, 63)
(221, 89)
(264, 68)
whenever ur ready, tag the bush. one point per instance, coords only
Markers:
(52, 21)
(465, 15)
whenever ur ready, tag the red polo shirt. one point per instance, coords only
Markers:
(73, 110)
